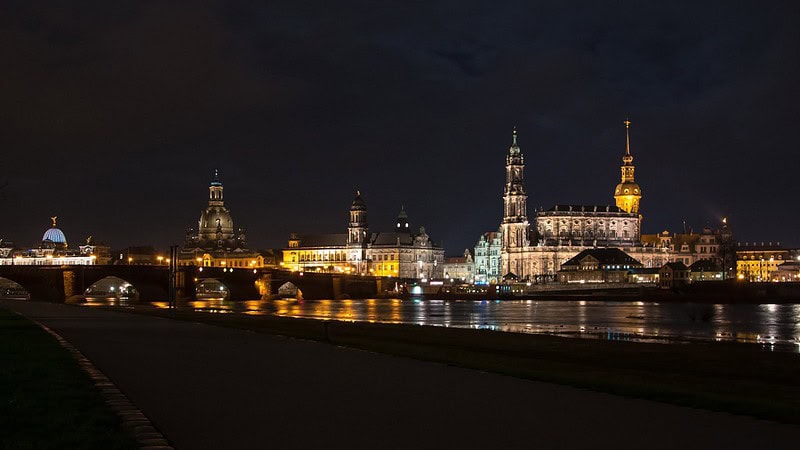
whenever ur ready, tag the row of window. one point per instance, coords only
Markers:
(760, 257)
(589, 222)
(587, 234)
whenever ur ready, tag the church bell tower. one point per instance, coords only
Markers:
(515, 199)
(357, 228)
(628, 194)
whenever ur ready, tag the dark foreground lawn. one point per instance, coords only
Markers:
(736, 378)
(48, 401)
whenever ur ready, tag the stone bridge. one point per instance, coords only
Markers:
(58, 283)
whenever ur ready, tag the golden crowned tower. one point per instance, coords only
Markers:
(628, 194)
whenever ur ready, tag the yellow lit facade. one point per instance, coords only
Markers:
(327, 258)
(398, 253)
(250, 260)
(759, 262)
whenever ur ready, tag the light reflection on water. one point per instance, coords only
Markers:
(775, 327)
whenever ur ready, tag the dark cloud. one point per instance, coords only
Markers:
(115, 113)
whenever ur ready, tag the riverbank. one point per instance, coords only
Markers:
(730, 292)
(49, 401)
(735, 378)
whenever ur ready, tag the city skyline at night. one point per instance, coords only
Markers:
(115, 114)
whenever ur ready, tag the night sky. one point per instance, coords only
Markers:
(115, 114)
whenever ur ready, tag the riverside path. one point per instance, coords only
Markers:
(208, 387)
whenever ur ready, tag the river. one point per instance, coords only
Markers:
(775, 327)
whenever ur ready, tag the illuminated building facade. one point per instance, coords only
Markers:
(687, 248)
(214, 243)
(54, 250)
(760, 262)
(397, 253)
(563, 231)
(487, 257)
(460, 268)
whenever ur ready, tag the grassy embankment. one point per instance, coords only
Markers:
(736, 378)
(48, 401)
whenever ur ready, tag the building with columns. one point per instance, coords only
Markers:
(537, 251)
(398, 253)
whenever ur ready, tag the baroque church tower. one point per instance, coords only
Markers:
(515, 199)
(357, 228)
(628, 194)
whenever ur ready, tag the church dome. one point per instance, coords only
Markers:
(210, 218)
(628, 188)
(55, 235)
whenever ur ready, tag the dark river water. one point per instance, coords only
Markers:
(772, 326)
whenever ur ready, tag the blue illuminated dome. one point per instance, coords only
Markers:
(55, 235)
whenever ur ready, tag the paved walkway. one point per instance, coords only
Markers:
(214, 388)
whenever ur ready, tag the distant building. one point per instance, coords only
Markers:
(487, 257)
(705, 270)
(54, 250)
(598, 265)
(688, 247)
(460, 268)
(215, 242)
(760, 262)
(673, 275)
(397, 253)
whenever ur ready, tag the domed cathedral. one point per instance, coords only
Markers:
(214, 243)
(628, 194)
(215, 224)
(398, 253)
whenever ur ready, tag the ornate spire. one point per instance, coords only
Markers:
(627, 193)
(627, 159)
(215, 181)
(514, 149)
(54, 220)
(627, 136)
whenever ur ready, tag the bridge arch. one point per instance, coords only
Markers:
(212, 288)
(10, 289)
(111, 289)
(290, 290)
